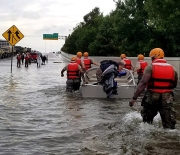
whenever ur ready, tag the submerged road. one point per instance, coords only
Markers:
(39, 118)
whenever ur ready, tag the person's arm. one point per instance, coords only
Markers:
(82, 64)
(62, 71)
(132, 66)
(92, 62)
(142, 84)
(175, 79)
(138, 66)
(82, 73)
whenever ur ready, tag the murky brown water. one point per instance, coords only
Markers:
(39, 118)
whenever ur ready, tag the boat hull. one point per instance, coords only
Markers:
(126, 85)
(96, 91)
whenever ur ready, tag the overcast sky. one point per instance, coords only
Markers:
(37, 17)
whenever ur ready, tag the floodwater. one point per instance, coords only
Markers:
(39, 118)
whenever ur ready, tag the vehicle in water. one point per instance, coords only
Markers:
(33, 57)
(126, 85)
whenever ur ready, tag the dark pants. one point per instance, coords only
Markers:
(18, 63)
(163, 103)
(26, 63)
(38, 65)
(72, 85)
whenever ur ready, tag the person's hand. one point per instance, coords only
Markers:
(62, 75)
(131, 103)
(83, 84)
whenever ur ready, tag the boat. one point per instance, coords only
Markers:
(126, 85)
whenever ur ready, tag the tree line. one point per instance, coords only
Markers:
(134, 27)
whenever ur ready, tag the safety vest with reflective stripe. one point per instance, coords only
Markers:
(128, 63)
(72, 70)
(143, 65)
(87, 63)
(162, 77)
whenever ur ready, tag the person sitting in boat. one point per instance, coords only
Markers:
(127, 62)
(73, 75)
(106, 74)
(88, 62)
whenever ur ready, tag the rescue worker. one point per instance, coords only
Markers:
(38, 60)
(80, 62)
(159, 78)
(22, 58)
(26, 60)
(73, 75)
(140, 66)
(18, 60)
(88, 62)
(128, 63)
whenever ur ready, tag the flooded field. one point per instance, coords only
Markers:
(39, 118)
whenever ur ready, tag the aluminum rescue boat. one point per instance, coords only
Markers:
(126, 85)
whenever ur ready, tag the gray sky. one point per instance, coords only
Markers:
(37, 17)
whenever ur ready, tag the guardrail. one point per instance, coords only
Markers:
(174, 61)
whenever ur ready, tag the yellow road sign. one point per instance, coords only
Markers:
(13, 35)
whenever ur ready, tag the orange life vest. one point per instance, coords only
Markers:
(128, 63)
(143, 65)
(162, 77)
(72, 70)
(87, 63)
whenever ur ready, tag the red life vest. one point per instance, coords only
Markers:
(162, 77)
(26, 58)
(72, 70)
(143, 65)
(128, 63)
(18, 57)
(87, 63)
(78, 60)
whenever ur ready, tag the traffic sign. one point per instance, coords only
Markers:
(53, 36)
(13, 35)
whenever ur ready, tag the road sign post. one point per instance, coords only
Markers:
(13, 35)
(12, 58)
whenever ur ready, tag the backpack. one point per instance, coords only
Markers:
(106, 63)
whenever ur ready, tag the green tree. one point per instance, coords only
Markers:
(164, 21)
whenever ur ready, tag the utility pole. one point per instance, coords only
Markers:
(45, 47)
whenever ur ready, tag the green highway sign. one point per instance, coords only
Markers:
(53, 36)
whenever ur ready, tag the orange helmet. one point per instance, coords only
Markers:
(86, 54)
(157, 53)
(73, 58)
(123, 56)
(141, 57)
(79, 54)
